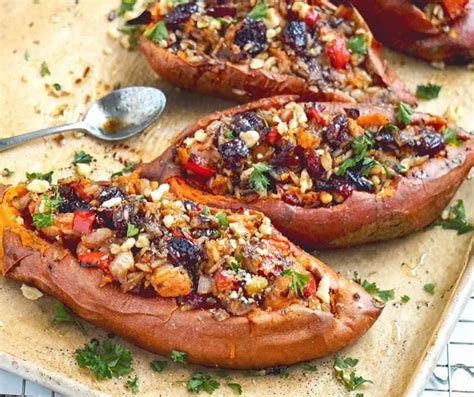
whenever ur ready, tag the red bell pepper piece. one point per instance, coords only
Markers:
(314, 114)
(311, 17)
(83, 221)
(310, 287)
(337, 53)
(196, 165)
(95, 259)
(273, 136)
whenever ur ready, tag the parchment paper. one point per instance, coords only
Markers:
(72, 37)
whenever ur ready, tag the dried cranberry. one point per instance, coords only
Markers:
(233, 152)
(181, 13)
(352, 113)
(290, 198)
(220, 11)
(104, 218)
(205, 302)
(360, 182)
(311, 162)
(182, 252)
(386, 138)
(430, 143)
(109, 192)
(342, 186)
(337, 131)
(70, 201)
(251, 37)
(143, 19)
(246, 121)
(294, 35)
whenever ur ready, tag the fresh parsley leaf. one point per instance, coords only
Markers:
(200, 381)
(44, 69)
(345, 373)
(430, 288)
(205, 211)
(157, 33)
(349, 163)
(357, 44)
(7, 173)
(126, 5)
(82, 157)
(134, 33)
(222, 218)
(428, 91)
(128, 168)
(63, 315)
(298, 281)
(359, 394)
(284, 372)
(51, 203)
(450, 136)
(404, 112)
(405, 298)
(158, 366)
(228, 135)
(287, 272)
(178, 357)
(38, 175)
(362, 144)
(132, 384)
(308, 367)
(371, 288)
(42, 220)
(57, 86)
(456, 220)
(236, 388)
(260, 10)
(27, 55)
(235, 265)
(132, 230)
(105, 361)
(258, 180)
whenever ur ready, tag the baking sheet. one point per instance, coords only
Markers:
(72, 38)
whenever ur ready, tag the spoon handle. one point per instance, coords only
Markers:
(7, 143)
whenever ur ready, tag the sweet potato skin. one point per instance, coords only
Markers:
(404, 27)
(414, 203)
(262, 339)
(240, 83)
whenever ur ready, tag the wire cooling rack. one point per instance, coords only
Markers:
(452, 377)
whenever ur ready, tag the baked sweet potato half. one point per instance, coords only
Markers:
(327, 174)
(434, 30)
(247, 50)
(169, 274)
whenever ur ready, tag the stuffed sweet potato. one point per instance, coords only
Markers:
(168, 274)
(327, 174)
(434, 30)
(248, 50)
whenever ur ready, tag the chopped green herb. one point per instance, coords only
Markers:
(62, 315)
(284, 372)
(157, 33)
(405, 298)
(357, 44)
(298, 281)
(44, 69)
(27, 55)
(362, 144)
(106, 360)
(222, 218)
(372, 288)
(38, 175)
(51, 203)
(128, 168)
(140, 197)
(200, 381)
(359, 394)
(258, 180)
(42, 220)
(308, 367)
(235, 265)
(81, 157)
(428, 91)
(132, 230)
(158, 366)
(349, 163)
(132, 384)
(126, 5)
(228, 135)
(345, 373)
(450, 136)
(205, 211)
(236, 388)
(430, 288)
(456, 219)
(260, 10)
(57, 86)
(404, 112)
(178, 357)
(7, 173)
(134, 33)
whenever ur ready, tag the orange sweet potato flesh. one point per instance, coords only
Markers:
(403, 26)
(239, 82)
(259, 340)
(414, 202)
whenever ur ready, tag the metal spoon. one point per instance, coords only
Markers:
(118, 115)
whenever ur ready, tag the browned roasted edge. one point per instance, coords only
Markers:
(417, 200)
(239, 82)
(262, 339)
(404, 27)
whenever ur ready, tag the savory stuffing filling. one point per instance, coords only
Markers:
(147, 241)
(307, 155)
(320, 43)
(442, 13)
